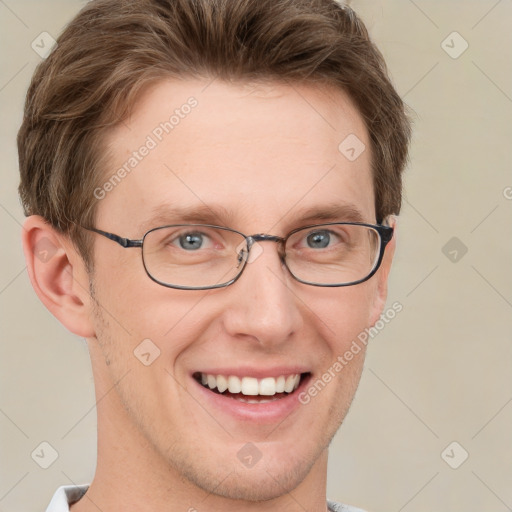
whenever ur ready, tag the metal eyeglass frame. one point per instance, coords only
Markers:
(385, 234)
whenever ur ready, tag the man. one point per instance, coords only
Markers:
(216, 181)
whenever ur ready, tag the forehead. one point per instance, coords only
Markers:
(254, 154)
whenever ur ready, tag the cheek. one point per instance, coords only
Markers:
(141, 335)
(343, 313)
(138, 306)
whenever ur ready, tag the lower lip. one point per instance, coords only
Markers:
(268, 412)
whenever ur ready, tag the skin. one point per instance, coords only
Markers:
(265, 153)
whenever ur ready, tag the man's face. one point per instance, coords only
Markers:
(255, 159)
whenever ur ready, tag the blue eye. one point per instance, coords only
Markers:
(318, 239)
(191, 241)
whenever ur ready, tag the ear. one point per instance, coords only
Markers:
(381, 291)
(58, 275)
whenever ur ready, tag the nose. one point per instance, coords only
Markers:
(263, 302)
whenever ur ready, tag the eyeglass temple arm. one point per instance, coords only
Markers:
(124, 242)
(386, 233)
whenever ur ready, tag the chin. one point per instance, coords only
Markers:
(281, 469)
(255, 484)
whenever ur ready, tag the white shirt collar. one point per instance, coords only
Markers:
(65, 496)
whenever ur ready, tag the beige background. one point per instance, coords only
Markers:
(439, 372)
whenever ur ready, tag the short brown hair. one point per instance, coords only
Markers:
(114, 48)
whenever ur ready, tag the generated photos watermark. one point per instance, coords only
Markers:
(342, 360)
(156, 136)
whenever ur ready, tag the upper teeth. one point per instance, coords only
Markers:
(250, 385)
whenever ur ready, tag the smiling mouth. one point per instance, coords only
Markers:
(250, 389)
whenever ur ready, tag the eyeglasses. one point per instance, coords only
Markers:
(203, 256)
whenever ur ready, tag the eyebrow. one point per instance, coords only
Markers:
(197, 214)
(219, 215)
(332, 212)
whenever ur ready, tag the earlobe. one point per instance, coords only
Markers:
(58, 275)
